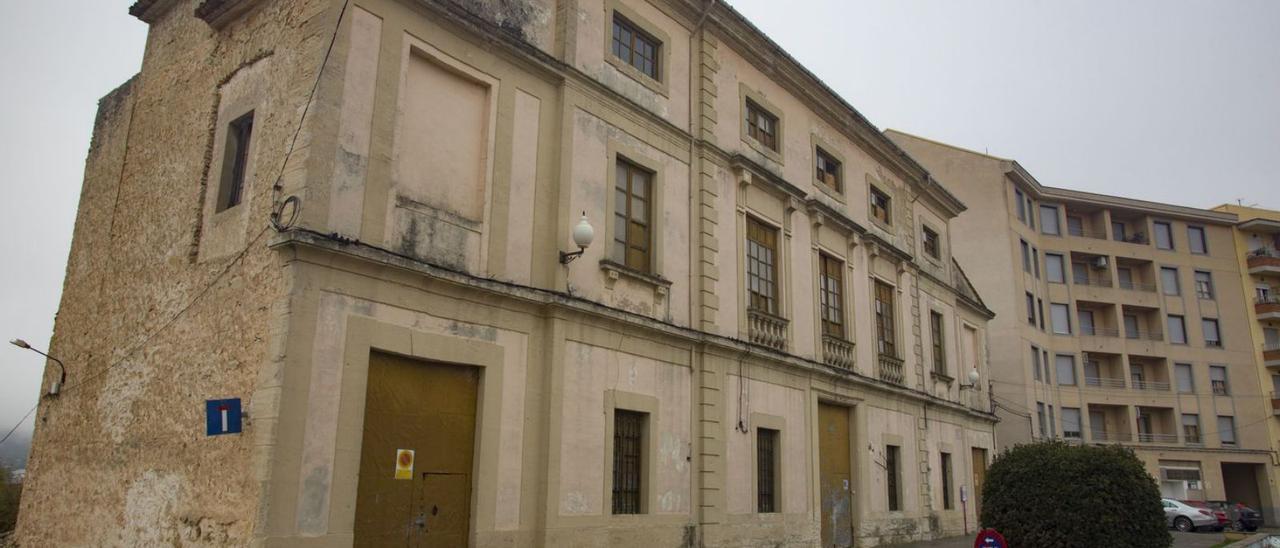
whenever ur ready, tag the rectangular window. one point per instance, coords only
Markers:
(1164, 235)
(1218, 379)
(1086, 322)
(628, 460)
(881, 206)
(1169, 281)
(635, 47)
(1035, 364)
(1049, 220)
(891, 477)
(762, 126)
(1196, 241)
(762, 267)
(631, 232)
(1035, 261)
(1186, 382)
(1044, 423)
(827, 170)
(1191, 428)
(766, 470)
(235, 162)
(932, 247)
(1118, 232)
(1066, 369)
(1211, 336)
(1021, 205)
(947, 502)
(1204, 284)
(1026, 256)
(1053, 428)
(1061, 316)
(1031, 214)
(1040, 306)
(1227, 430)
(886, 344)
(1071, 422)
(1055, 267)
(1031, 309)
(935, 337)
(1177, 328)
(830, 295)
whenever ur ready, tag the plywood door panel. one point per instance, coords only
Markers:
(834, 477)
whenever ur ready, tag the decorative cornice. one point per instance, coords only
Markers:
(217, 13)
(149, 11)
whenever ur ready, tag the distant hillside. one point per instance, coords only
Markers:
(13, 454)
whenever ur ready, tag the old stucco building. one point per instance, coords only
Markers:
(1119, 321)
(768, 342)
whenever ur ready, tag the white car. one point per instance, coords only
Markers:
(1184, 517)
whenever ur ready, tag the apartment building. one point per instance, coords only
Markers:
(520, 273)
(1118, 321)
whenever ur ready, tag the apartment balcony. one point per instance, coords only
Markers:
(890, 369)
(1151, 386)
(1099, 331)
(1267, 308)
(1264, 261)
(1275, 405)
(1085, 232)
(1271, 355)
(1092, 281)
(1103, 436)
(837, 352)
(1140, 335)
(1104, 382)
(1156, 437)
(766, 329)
(1137, 286)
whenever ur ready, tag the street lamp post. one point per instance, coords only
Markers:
(62, 379)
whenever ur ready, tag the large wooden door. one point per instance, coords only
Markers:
(979, 477)
(428, 408)
(834, 477)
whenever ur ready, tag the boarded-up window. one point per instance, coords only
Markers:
(631, 233)
(762, 266)
(635, 47)
(830, 295)
(885, 340)
(932, 247)
(827, 169)
(880, 206)
(766, 470)
(628, 459)
(762, 126)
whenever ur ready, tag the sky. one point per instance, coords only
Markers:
(1173, 101)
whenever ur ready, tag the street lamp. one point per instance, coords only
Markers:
(56, 388)
(974, 377)
(583, 234)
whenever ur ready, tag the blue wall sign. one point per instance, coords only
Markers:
(222, 417)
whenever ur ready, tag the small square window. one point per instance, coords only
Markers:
(827, 170)
(881, 206)
(762, 126)
(932, 247)
(635, 47)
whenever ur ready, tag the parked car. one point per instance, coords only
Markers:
(1184, 517)
(1239, 516)
(1223, 521)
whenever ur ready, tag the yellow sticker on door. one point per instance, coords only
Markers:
(404, 464)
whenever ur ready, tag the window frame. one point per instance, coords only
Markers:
(623, 211)
(1168, 325)
(880, 214)
(772, 300)
(831, 296)
(1031, 309)
(1057, 222)
(1058, 369)
(1203, 240)
(1191, 378)
(893, 477)
(1219, 387)
(638, 34)
(1079, 423)
(1186, 435)
(937, 341)
(1155, 234)
(948, 483)
(885, 316)
(1165, 286)
(933, 251)
(1217, 330)
(1066, 315)
(1061, 270)
(1231, 428)
(237, 148)
(639, 443)
(768, 468)
(754, 114)
(1207, 292)
(820, 157)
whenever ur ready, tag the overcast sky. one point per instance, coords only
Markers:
(1171, 101)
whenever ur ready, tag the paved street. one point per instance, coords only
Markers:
(1180, 540)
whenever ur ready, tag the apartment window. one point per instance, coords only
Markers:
(1061, 316)
(1053, 428)
(880, 206)
(1044, 359)
(1211, 336)
(1186, 382)
(1035, 261)
(885, 342)
(1227, 430)
(1130, 326)
(1031, 309)
(1031, 214)
(1169, 281)
(1177, 328)
(762, 266)
(635, 47)
(1086, 322)
(235, 162)
(1026, 256)
(628, 460)
(1164, 235)
(935, 337)
(1044, 423)
(932, 247)
(891, 477)
(1071, 422)
(1218, 379)
(947, 502)
(1075, 225)
(1196, 240)
(631, 234)
(1119, 232)
(1066, 369)
(766, 470)
(1049, 220)
(830, 295)
(1204, 284)
(1035, 363)
(1021, 205)
(1055, 267)
(827, 169)
(762, 126)
(1191, 428)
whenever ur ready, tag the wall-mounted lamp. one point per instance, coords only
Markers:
(583, 234)
(974, 377)
(57, 385)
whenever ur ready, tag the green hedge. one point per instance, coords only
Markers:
(1055, 495)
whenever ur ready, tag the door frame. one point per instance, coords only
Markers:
(857, 438)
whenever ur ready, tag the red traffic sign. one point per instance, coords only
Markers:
(990, 538)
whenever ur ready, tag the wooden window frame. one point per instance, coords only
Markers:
(882, 213)
(831, 295)
(938, 342)
(636, 238)
(931, 241)
(762, 274)
(235, 163)
(885, 316)
(767, 137)
(629, 461)
(828, 170)
(627, 50)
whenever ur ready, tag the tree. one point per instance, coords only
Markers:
(10, 493)
(1055, 495)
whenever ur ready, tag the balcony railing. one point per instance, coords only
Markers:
(1095, 281)
(1137, 286)
(837, 352)
(1138, 238)
(1099, 331)
(1275, 405)
(890, 369)
(1264, 259)
(767, 329)
(1104, 382)
(1149, 437)
(1144, 335)
(1081, 232)
(1151, 386)
(1269, 299)
(1103, 435)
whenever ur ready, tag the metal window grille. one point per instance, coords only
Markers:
(762, 272)
(891, 477)
(947, 503)
(766, 470)
(628, 444)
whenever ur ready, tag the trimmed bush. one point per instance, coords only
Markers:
(1055, 495)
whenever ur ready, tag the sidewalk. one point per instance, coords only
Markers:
(1180, 540)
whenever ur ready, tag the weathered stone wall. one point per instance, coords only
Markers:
(126, 440)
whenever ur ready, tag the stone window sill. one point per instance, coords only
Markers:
(615, 270)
